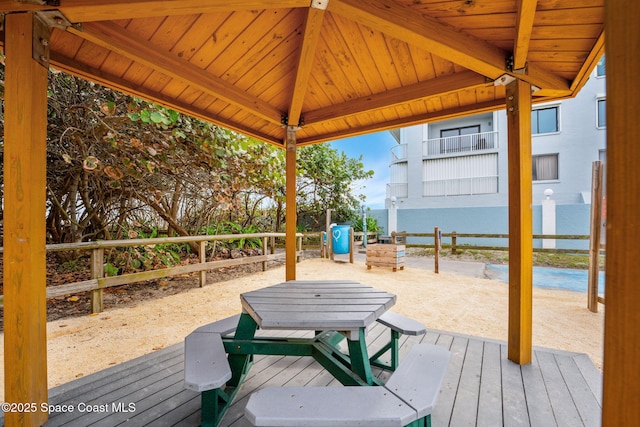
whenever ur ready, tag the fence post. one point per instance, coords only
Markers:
(436, 245)
(299, 251)
(203, 259)
(264, 252)
(454, 238)
(323, 246)
(273, 245)
(97, 272)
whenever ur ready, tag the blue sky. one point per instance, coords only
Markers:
(374, 149)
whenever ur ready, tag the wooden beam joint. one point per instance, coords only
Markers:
(508, 63)
(319, 4)
(40, 41)
(55, 19)
(290, 141)
(509, 66)
(285, 121)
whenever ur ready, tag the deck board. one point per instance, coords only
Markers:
(481, 386)
(490, 398)
(539, 406)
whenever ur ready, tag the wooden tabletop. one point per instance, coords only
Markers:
(317, 305)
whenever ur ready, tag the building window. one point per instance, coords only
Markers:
(544, 120)
(601, 68)
(457, 139)
(601, 119)
(545, 167)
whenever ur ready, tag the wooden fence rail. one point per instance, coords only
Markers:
(455, 246)
(98, 282)
(594, 251)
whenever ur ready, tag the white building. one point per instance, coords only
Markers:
(438, 168)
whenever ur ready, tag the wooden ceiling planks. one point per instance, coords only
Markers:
(252, 51)
(403, 61)
(357, 46)
(341, 61)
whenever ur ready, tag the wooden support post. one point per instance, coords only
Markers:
(97, 272)
(520, 222)
(621, 388)
(594, 241)
(291, 215)
(25, 305)
(203, 259)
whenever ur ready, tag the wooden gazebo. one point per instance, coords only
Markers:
(297, 72)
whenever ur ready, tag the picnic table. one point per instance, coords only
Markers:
(334, 310)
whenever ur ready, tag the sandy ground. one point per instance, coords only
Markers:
(445, 301)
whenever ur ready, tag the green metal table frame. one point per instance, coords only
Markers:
(352, 368)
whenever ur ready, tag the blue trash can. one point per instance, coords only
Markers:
(340, 239)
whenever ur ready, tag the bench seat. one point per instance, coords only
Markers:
(402, 324)
(207, 369)
(327, 406)
(407, 398)
(205, 359)
(418, 379)
(205, 362)
(398, 324)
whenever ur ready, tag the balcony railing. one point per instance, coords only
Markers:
(398, 153)
(476, 142)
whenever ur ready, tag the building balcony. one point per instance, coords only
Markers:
(464, 144)
(399, 153)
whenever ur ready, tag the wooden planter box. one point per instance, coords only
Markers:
(386, 256)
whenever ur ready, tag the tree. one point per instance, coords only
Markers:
(117, 164)
(326, 180)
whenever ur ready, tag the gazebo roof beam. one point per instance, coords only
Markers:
(436, 87)
(524, 27)
(101, 10)
(311, 35)
(451, 113)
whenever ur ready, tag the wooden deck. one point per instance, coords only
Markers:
(481, 387)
